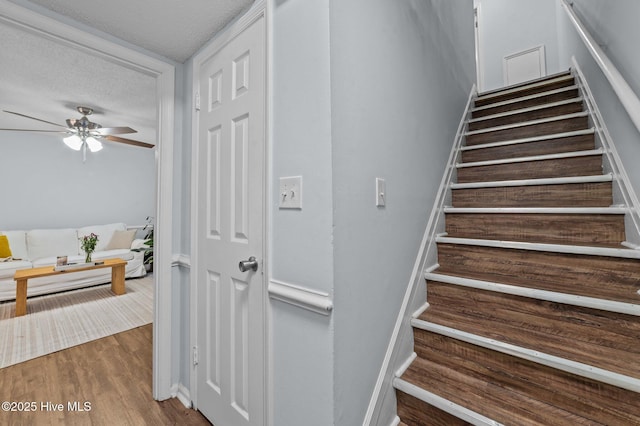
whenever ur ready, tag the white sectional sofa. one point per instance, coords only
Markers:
(40, 247)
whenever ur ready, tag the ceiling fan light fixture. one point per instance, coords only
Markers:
(94, 144)
(73, 142)
(83, 134)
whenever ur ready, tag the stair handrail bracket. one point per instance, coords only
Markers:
(427, 256)
(627, 96)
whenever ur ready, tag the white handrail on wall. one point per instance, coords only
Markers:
(627, 96)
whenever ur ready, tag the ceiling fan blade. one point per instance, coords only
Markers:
(104, 131)
(34, 130)
(34, 118)
(128, 141)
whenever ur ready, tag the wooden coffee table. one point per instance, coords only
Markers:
(23, 275)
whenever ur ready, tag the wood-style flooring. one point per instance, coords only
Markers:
(109, 378)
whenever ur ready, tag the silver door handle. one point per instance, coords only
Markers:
(245, 265)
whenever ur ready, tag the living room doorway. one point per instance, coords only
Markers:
(91, 49)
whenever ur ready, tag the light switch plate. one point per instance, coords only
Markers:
(381, 192)
(290, 192)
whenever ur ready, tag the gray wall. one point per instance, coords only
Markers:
(401, 72)
(614, 27)
(361, 89)
(511, 26)
(46, 185)
(302, 240)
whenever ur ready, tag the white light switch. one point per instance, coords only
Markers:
(381, 195)
(290, 192)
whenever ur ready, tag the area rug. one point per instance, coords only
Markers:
(58, 321)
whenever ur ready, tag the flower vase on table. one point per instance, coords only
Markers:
(88, 244)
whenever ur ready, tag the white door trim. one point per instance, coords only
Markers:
(477, 9)
(257, 11)
(164, 73)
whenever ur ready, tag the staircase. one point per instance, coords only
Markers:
(533, 309)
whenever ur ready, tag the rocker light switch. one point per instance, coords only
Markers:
(381, 189)
(290, 192)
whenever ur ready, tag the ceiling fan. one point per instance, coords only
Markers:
(84, 134)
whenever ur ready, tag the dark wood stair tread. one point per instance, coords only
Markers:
(594, 337)
(602, 230)
(527, 114)
(598, 194)
(416, 412)
(603, 277)
(561, 124)
(565, 142)
(512, 390)
(526, 101)
(524, 89)
(583, 165)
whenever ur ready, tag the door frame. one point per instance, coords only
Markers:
(257, 11)
(164, 73)
(477, 16)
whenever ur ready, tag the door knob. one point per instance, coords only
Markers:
(251, 263)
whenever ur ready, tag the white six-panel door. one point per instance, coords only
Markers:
(230, 185)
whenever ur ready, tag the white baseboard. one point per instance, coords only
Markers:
(178, 390)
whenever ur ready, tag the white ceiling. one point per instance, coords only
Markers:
(47, 79)
(171, 28)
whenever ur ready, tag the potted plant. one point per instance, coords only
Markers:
(148, 245)
(148, 253)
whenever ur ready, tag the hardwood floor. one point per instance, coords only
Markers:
(109, 378)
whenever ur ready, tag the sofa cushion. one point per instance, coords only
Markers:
(139, 245)
(51, 242)
(104, 233)
(124, 254)
(5, 249)
(18, 244)
(7, 269)
(121, 239)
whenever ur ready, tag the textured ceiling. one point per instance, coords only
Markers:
(175, 29)
(47, 79)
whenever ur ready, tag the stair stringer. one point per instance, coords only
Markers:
(382, 404)
(623, 193)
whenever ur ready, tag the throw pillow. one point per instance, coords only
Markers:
(5, 250)
(121, 240)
